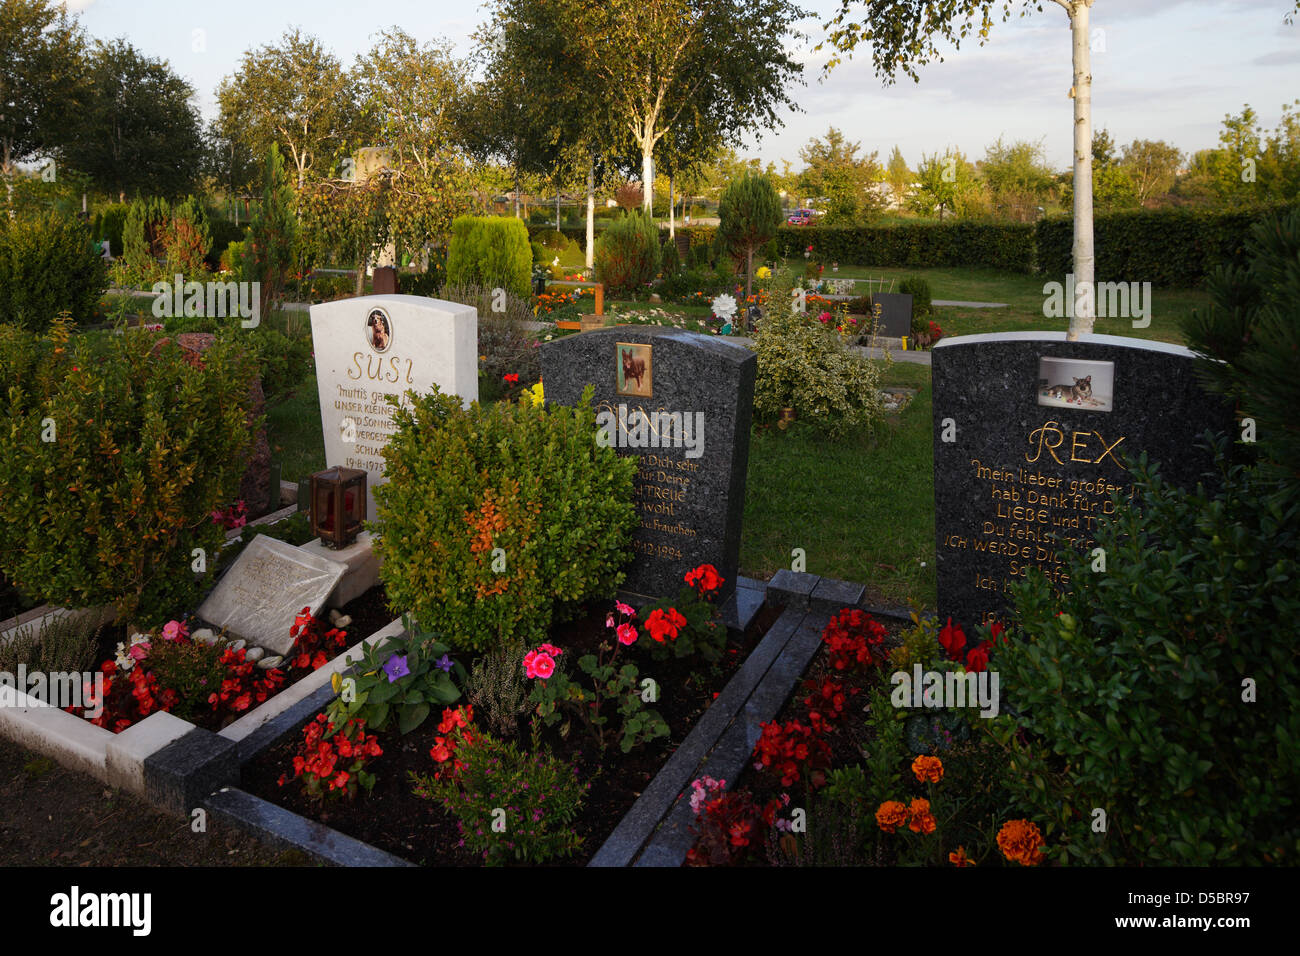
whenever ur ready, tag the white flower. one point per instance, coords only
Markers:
(724, 307)
(555, 261)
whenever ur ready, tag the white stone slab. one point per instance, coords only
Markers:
(126, 752)
(420, 343)
(266, 587)
(362, 564)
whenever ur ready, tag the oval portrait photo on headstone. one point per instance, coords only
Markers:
(379, 330)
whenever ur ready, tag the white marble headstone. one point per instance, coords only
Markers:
(379, 345)
(266, 587)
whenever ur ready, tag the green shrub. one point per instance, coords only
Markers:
(919, 290)
(802, 365)
(491, 251)
(1170, 248)
(143, 239)
(670, 263)
(283, 361)
(540, 794)
(531, 481)
(47, 266)
(554, 240)
(627, 255)
(541, 255)
(232, 259)
(147, 444)
(993, 245)
(224, 233)
(109, 223)
(186, 238)
(1132, 689)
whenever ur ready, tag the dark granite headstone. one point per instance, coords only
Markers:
(895, 314)
(1041, 428)
(690, 494)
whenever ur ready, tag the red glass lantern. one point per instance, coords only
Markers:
(338, 505)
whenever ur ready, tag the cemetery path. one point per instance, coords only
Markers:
(54, 816)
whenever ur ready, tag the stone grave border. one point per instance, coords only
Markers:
(179, 767)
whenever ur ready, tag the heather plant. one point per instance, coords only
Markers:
(498, 690)
(509, 805)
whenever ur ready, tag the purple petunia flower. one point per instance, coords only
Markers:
(396, 667)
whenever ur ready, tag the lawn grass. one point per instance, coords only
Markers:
(861, 508)
(1025, 300)
(293, 429)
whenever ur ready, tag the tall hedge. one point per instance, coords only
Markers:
(490, 251)
(1170, 248)
(995, 245)
(48, 266)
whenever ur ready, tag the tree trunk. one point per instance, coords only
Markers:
(591, 214)
(647, 180)
(1084, 297)
(672, 226)
(557, 209)
(516, 192)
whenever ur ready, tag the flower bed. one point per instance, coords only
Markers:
(849, 775)
(607, 699)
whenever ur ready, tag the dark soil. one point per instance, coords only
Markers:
(59, 817)
(392, 818)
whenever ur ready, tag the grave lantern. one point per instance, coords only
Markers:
(338, 505)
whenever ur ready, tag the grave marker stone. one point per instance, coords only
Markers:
(266, 587)
(895, 314)
(682, 402)
(1041, 426)
(375, 346)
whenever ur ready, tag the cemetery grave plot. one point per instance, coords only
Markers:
(392, 818)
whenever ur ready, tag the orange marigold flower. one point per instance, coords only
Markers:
(959, 858)
(928, 768)
(1021, 841)
(891, 815)
(922, 820)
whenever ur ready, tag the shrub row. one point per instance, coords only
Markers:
(1170, 248)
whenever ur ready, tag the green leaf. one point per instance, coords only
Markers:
(411, 716)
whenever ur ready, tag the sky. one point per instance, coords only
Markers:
(1162, 69)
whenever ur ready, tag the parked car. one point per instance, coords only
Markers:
(801, 217)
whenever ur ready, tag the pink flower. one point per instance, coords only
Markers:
(544, 665)
(609, 620)
(139, 651)
(626, 634)
(550, 649)
(172, 630)
(624, 609)
(824, 317)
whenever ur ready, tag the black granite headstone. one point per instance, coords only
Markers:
(1038, 430)
(895, 314)
(683, 403)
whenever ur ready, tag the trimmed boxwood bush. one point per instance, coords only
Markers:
(48, 266)
(491, 251)
(118, 450)
(1132, 692)
(627, 255)
(530, 481)
(994, 245)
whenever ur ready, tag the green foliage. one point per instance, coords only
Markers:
(224, 234)
(670, 263)
(490, 251)
(147, 444)
(701, 631)
(628, 255)
(273, 234)
(1135, 691)
(995, 245)
(531, 481)
(919, 290)
(379, 698)
(540, 794)
(750, 212)
(47, 266)
(193, 670)
(1251, 337)
(109, 223)
(1170, 248)
(283, 361)
(65, 643)
(143, 235)
(802, 365)
(187, 238)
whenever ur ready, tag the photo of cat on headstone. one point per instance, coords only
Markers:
(1072, 383)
